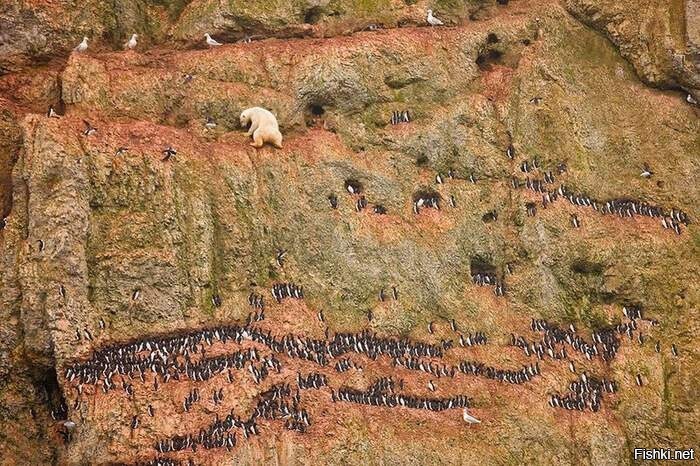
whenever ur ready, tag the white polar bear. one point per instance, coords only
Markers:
(263, 127)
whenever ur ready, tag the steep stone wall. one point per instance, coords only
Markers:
(87, 228)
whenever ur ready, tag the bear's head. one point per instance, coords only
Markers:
(245, 118)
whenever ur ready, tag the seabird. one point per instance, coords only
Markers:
(131, 43)
(638, 379)
(468, 418)
(536, 100)
(430, 328)
(121, 151)
(135, 295)
(689, 98)
(89, 129)
(82, 46)
(102, 323)
(433, 21)
(169, 153)
(431, 386)
(674, 350)
(280, 257)
(211, 42)
(453, 325)
(646, 172)
(210, 123)
(438, 179)
(150, 410)
(70, 425)
(333, 200)
(52, 113)
(321, 317)
(571, 367)
(381, 295)
(394, 293)
(453, 202)
(134, 422)
(41, 245)
(510, 152)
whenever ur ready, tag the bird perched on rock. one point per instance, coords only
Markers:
(210, 123)
(211, 42)
(689, 98)
(646, 172)
(169, 153)
(432, 20)
(131, 43)
(82, 46)
(89, 129)
(52, 113)
(122, 150)
(468, 418)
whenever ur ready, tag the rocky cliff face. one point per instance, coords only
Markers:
(511, 105)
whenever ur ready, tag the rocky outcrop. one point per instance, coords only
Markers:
(661, 39)
(102, 248)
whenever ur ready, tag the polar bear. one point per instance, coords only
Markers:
(263, 127)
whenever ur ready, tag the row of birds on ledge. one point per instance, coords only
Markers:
(131, 44)
(183, 357)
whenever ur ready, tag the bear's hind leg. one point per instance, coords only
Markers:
(257, 139)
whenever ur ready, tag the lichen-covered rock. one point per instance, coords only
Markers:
(660, 39)
(104, 247)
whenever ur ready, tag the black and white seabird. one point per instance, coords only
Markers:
(638, 379)
(121, 151)
(169, 153)
(510, 152)
(646, 172)
(333, 200)
(52, 113)
(279, 258)
(89, 129)
(209, 123)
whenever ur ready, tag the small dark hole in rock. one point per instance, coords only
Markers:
(317, 110)
(486, 59)
(422, 160)
(353, 186)
(480, 265)
(526, 42)
(503, 2)
(426, 193)
(313, 15)
(586, 267)
(492, 38)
